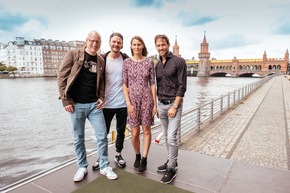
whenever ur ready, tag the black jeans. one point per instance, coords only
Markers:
(121, 121)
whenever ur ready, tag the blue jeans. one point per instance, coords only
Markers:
(95, 116)
(170, 128)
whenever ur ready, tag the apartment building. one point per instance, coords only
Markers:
(53, 53)
(39, 57)
(25, 55)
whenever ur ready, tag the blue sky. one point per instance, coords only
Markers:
(242, 29)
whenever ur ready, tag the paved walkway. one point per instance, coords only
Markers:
(256, 132)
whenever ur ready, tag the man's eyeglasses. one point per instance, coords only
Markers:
(95, 41)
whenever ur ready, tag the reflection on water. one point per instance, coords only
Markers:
(35, 130)
(203, 89)
(202, 92)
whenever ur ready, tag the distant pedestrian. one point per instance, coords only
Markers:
(115, 104)
(140, 94)
(81, 89)
(171, 87)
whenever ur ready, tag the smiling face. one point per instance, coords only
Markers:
(93, 42)
(162, 47)
(116, 44)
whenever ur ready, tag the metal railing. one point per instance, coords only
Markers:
(193, 119)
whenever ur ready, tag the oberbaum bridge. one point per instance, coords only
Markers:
(259, 67)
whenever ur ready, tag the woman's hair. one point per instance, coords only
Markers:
(144, 50)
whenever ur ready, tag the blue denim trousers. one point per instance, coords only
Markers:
(95, 116)
(171, 129)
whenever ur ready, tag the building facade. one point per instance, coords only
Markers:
(25, 55)
(53, 53)
(39, 57)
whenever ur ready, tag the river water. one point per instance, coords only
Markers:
(35, 130)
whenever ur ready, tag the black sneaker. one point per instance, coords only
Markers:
(96, 165)
(169, 175)
(143, 165)
(120, 161)
(137, 161)
(163, 167)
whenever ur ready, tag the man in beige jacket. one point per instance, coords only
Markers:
(81, 89)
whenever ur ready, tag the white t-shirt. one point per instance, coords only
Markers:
(114, 96)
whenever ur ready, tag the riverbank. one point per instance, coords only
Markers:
(11, 76)
(5, 76)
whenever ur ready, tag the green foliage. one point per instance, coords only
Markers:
(2, 67)
(11, 68)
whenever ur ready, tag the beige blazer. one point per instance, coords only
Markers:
(69, 70)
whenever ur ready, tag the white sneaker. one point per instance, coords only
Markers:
(80, 174)
(107, 171)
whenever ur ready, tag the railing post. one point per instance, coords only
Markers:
(242, 92)
(234, 97)
(179, 134)
(229, 100)
(198, 118)
(222, 98)
(211, 110)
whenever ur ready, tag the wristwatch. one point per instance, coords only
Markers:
(175, 106)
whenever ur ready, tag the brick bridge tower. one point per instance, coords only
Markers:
(176, 48)
(203, 55)
(287, 55)
(287, 62)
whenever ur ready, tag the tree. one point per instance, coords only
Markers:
(11, 69)
(2, 67)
